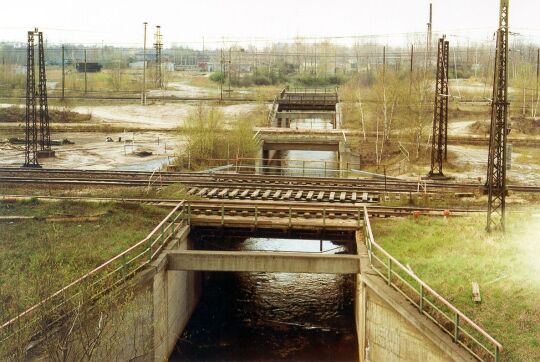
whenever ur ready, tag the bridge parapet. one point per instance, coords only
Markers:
(308, 99)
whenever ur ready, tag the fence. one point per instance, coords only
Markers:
(452, 321)
(51, 310)
(298, 167)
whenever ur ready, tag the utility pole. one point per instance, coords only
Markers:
(158, 45)
(63, 73)
(496, 173)
(537, 78)
(143, 96)
(45, 134)
(335, 60)
(222, 77)
(229, 72)
(429, 36)
(384, 61)
(411, 71)
(412, 58)
(440, 114)
(85, 75)
(30, 145)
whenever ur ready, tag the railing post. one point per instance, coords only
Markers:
(290, 216)
(256, 215)
(359, 217)
(421, 298)
(389, 271)
(124, 266)
(324, 168)
(456, 328)
(162, 234)
(222, 214)
(303, 168)
(189, 214)
(324, 217)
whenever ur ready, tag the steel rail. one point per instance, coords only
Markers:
(338, 207)
(186, 176)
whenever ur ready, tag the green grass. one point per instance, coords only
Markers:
(449, 255)
(38, 257)
(175, 191)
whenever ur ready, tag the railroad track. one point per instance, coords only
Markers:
(264, 208)
(232, 181)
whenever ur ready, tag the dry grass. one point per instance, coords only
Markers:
(36, 251)
(449, 255)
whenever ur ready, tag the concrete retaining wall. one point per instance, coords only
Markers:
(175, 296)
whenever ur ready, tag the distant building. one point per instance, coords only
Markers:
(88, 67)
(138, 64)
(168, 66)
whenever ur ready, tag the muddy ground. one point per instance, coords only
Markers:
(473, 161)
(92, 151)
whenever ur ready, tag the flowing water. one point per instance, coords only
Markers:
(310, 163)
(272, 316)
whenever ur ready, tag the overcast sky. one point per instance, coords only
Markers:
(187, 22)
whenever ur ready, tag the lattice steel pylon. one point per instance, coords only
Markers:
(44, 130)
(158, 46)
(496, 172)
(440, 114)
(31, 127)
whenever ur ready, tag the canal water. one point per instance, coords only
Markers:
(272, 316)
(310, 163)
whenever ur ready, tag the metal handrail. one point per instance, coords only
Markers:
(159, 233)
(459, 317)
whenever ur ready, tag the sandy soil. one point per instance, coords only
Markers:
(91, 151)
(460, 128)
(479, 89)
(156, 116)
(474, 160)
(181, 89)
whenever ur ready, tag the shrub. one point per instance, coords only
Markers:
(207, 139)
(218, 77)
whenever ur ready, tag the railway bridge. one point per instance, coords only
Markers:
(286, 133)
(398, 316)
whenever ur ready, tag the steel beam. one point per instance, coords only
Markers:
(496, 172)
(439, 137)
(257, 261)
(31, 129)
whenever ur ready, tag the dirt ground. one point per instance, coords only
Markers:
(473, 159)
(155, 116)
(460, 128)
(92, 151)
(182, 89)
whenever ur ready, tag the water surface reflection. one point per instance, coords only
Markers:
(272, 316)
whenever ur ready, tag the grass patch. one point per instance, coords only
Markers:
(175, 191)
(38, 257)
(449, 255)
(527, 155)
(17, 114)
